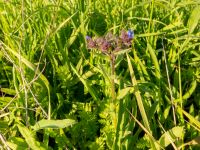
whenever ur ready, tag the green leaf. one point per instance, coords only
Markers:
(16, 146)
(154, 60)
(172, 26)
(171, 135)
(86, 83)
(8, 91)
(194, 19)
(123, 92)
(167, 111)
(192, 120)
(29, 138)
(5, 100)
(54, 124)
(140, 102)
(123, 51)
(3, 125)
(17, 143)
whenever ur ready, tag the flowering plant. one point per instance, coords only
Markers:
(109, 43)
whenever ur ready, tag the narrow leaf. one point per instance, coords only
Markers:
(86, 84)
(122, 51)
(155, 60)
(29, 138)
(139, 100)
(17, 143)
(123, 92)
(8, 91)
(190, 117)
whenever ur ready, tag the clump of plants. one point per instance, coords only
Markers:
(60, 90)
(111, 45)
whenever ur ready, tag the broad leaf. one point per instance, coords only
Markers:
(54, 124)
(171, 136)
(194, 19)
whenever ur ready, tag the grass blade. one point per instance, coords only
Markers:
(90, 89)
(29, 138)
(190, 117)
(139, 99)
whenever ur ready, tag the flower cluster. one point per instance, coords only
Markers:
(109, 42)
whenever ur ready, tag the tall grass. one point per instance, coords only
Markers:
(57, 94)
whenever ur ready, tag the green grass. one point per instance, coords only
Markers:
(57, 94)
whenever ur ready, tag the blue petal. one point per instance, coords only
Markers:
(130, 34)
(87, 37)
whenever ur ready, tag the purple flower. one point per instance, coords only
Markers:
(90, 42)
(112, 40)
(109, 42)
(110, 37)
(100, 41)
(105, 46)
(123, 35)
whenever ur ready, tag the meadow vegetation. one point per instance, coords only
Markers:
(58, 92)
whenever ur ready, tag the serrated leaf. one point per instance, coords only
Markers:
(194, 19)
(54, 124)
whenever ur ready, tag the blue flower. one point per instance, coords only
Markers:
(130, 34)
(87, 37)
(126, 38)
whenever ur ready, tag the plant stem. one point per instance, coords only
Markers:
(169, 84)
(112, 65)
(113, 109)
